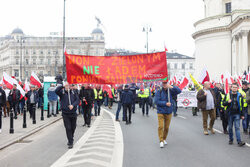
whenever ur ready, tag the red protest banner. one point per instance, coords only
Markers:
(116, 69)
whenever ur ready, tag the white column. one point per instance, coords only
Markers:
(234, 56)
(240, 69)
(245, 50)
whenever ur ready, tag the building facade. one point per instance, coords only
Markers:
(21, 54)
(180, 65)
(222, 38)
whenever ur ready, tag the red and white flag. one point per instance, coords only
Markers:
(204, 76)
(26, 86)
(184, 83)
(34, 80)
(226, 86)
(239, 83)
(9, 82)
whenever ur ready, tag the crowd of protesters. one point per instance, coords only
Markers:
(87, 99)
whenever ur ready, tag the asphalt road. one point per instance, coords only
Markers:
(187, 146)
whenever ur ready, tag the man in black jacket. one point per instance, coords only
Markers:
(69, 101)
(14, 98)
(32, 99)
(2, 103)
(127, 101)
(87, 96)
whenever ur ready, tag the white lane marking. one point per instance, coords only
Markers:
(181, 117)
(117, 159)
(70, 153)
(218, 131)
(248, 145)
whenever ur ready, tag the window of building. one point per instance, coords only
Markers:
(17, 52)
(49, 61)
(175, 66)
(34, 52)
(27, 52)
(41, 61)
(41, 73)
(49, 52)
(16, 73)
(34, 61)
(17, 61)
(49, 73)
(191, 66)
(183, 66)
(41, 52)
(27, 61)
(228, 7)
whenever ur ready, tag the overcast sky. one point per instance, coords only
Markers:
(171, 21)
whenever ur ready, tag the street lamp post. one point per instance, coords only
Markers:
(64, 63)
(55, 52)
(21, 41)
(147, 29)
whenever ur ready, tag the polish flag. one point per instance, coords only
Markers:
(9, 81)
(226, 86)
(204, 76)
(232, 80)
(34, 80)
(26, 86)
(184, 83)
(175, 79)
(222, 78)
(239, 83)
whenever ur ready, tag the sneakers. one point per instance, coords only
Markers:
(70, 146)
(161, 144)
(212, 131)
(205, 132)
(230, 142)
(165, 142)
(242, 143)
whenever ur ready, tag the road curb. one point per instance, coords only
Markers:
(31, 132)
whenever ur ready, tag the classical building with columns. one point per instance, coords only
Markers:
(222, 38)
(20, 54)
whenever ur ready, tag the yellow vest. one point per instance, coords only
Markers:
(244, 97)
(145, 93)
(221, 103)
(227, 99)
(100, 94)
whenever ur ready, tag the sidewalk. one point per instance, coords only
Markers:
(20, 133)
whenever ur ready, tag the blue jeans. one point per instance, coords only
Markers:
(118, 111)
(245, 121)
(97, 106)
(145, 101)
(106, 99)
(236, 120)
(174, 107)
(40, 101)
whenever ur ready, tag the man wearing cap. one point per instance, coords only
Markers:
(69, 102)
(32, 99)
(127, 100)
(13, 98)
(52, 97)
(164, 102)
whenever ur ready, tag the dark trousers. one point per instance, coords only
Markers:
(87, 113)
(118, 111)
(32, 110)
(0, 116)
(15, 106)
(127, 108)
(97, 107)
(224, 118)
(70, 126)
(145, 101)
(133, 107)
